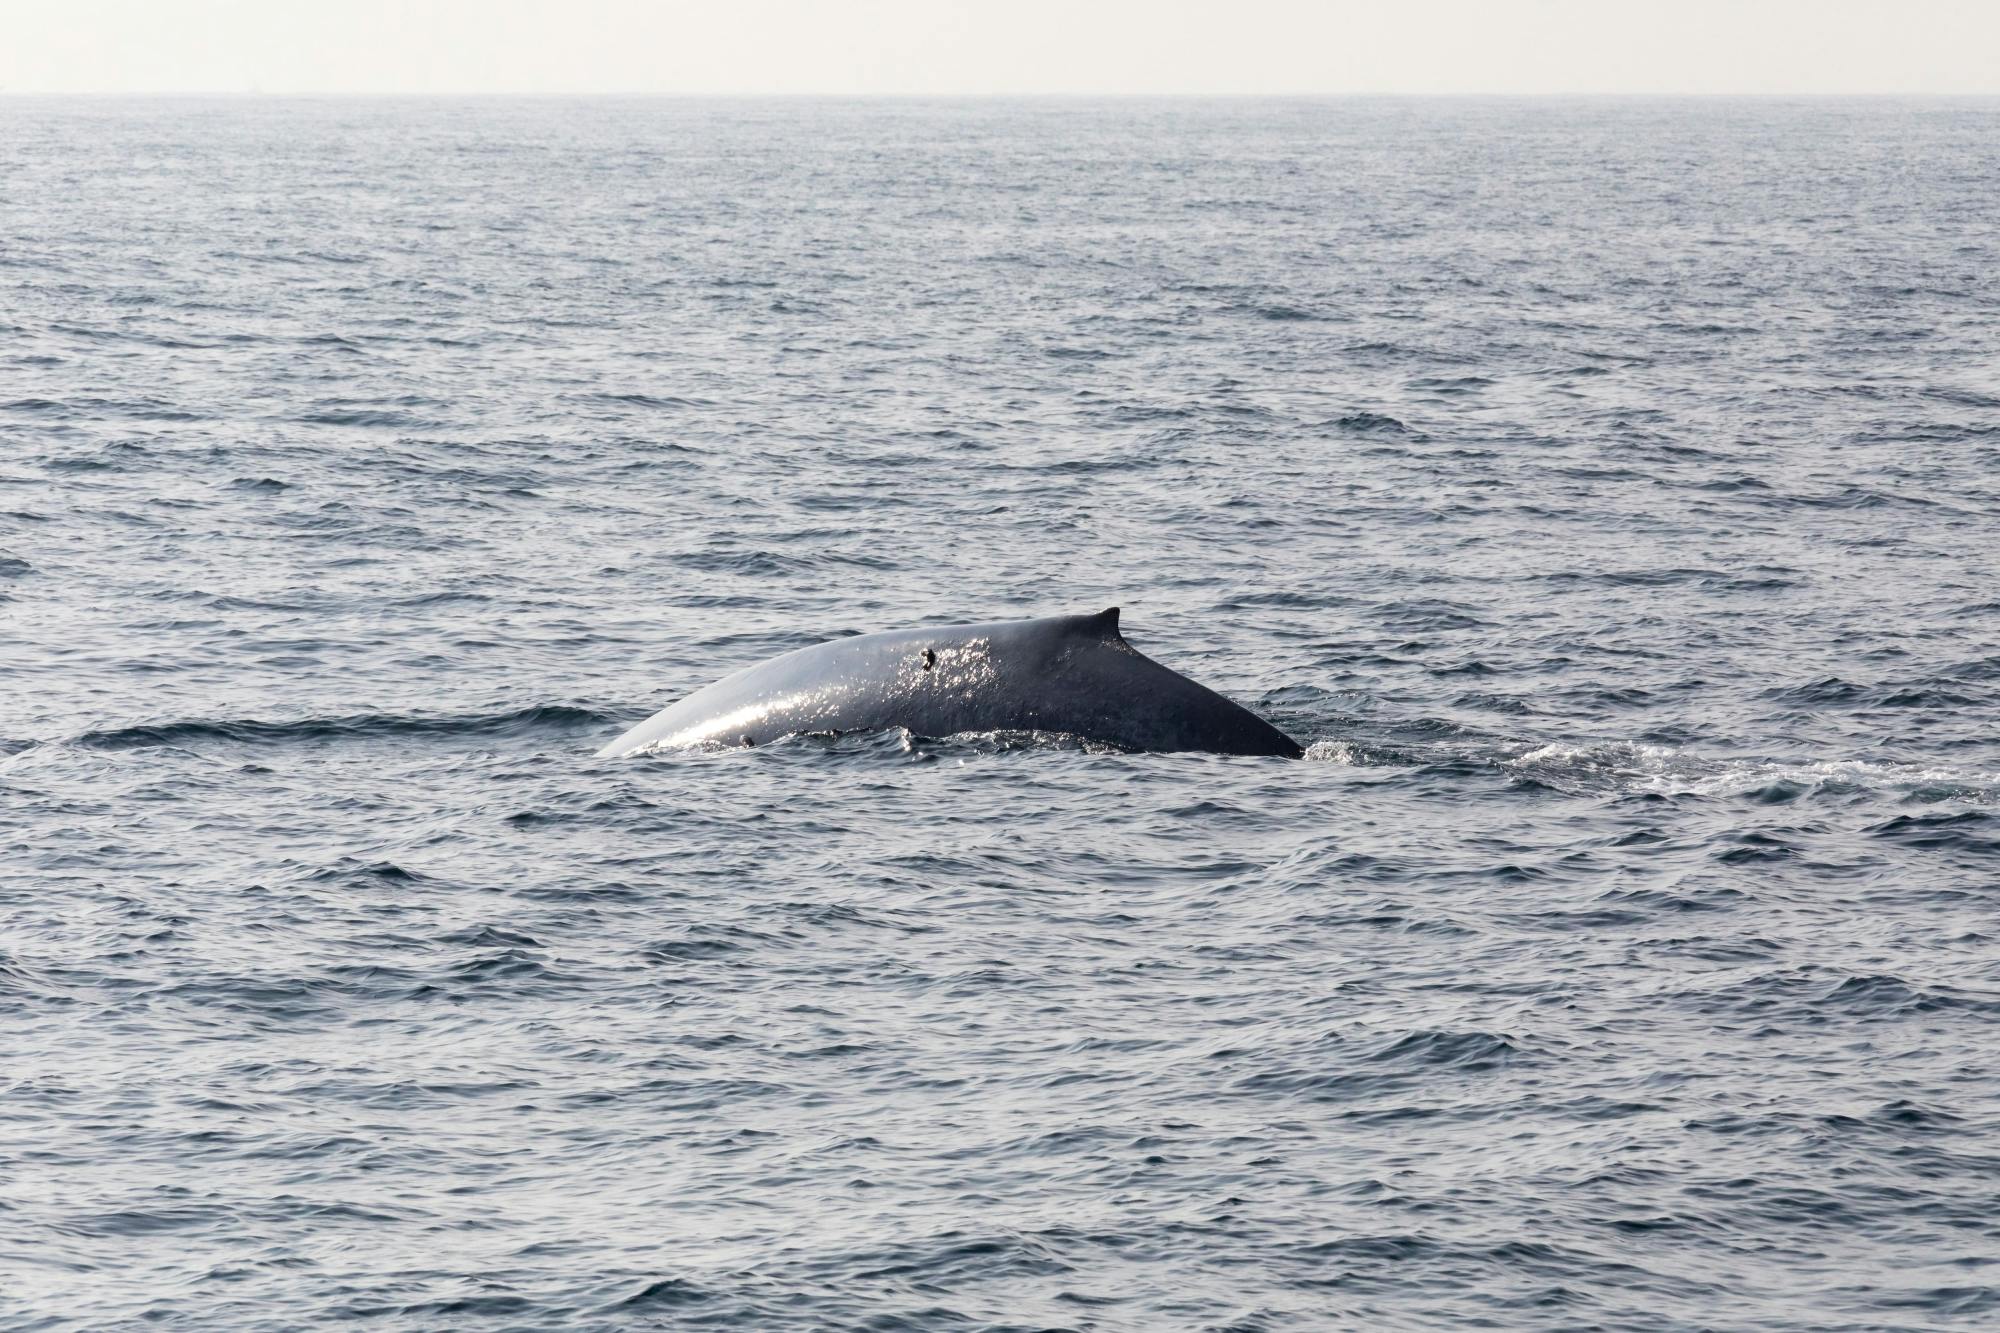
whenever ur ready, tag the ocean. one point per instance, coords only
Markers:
(1607, 492)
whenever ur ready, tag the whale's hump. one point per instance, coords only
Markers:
(1066, 674)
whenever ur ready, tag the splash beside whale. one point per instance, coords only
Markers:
(1068, 674)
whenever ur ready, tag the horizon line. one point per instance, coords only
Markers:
(992, 95)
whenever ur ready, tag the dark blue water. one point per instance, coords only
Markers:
(1609, 492)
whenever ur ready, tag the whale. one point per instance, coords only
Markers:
(1073, 675)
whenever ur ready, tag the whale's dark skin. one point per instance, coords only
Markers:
(1070, 674)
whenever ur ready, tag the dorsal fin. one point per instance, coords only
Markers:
(1103, 625)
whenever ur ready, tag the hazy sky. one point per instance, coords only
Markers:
(1000, 46)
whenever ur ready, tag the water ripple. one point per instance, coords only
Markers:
(1604, 490)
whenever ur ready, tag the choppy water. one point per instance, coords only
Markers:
(1607, 491)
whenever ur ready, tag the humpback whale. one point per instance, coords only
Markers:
(1069, 674)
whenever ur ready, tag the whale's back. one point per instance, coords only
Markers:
(1069, 674)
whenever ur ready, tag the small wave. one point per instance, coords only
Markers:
(1667, 770)
(1882, 996)
(760, 564)
(363, 417)
(1277, 313)
(250, 731)
(1430, 615)
(1824, 994)
(700, 948)
(1969, 831)
(1452, 385)
(1764, 578)
(1357, 1070)
(1832, 691)
(655, 402)
(347, 869)
(1371, 423)
(668, 1293)
(1470, 1052)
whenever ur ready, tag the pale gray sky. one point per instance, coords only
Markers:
(1000, 46)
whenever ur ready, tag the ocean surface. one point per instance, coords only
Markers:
(1607, 492)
